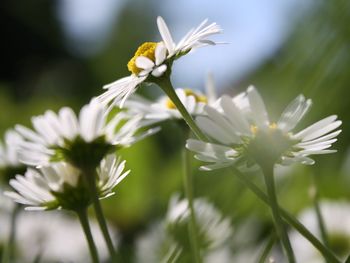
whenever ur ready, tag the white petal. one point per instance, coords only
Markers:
(160, 53)
(166, 36)
(220, 121)
(257, 107)
(210, 89)
(314, 127)
(322, 131)
(214, 131)
(144, 63)
(294, 112)
(321, 139)
(158, 71)
(234, 115)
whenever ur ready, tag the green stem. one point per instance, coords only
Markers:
(267, 249)
(165, 84)
(320, 221)
(82, 214)
(8, 253)
(281, 230)
(325, 251)
(188, 185)
(99, 213)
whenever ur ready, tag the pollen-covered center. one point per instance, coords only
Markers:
(254, 129)
(147, 50)
(267, 144)
(188, 92)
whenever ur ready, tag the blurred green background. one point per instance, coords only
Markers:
(58, 53)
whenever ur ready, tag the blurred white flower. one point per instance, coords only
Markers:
(10, 164)
(169, 239)
(9, 149)
(60, 185)
(335, 216)
(157, 246)
(241, 130)
(153, 59)
(54, 237)
(213, 229)
(87, 139)
(164, 109)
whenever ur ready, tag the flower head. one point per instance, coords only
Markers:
(79, 140)
(169, 239)
(61, 185)
(334, 215)
(155, 58)
(214, 229)
(9, 159)
(241, 130)
(164, 109)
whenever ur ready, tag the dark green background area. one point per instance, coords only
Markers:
(37, 72)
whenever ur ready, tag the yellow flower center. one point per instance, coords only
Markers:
(188, 92)
(254, 129)
(147, 50)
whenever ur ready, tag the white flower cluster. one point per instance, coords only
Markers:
(73, 160)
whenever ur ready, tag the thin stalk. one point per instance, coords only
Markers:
(267, 249)
(8, 254)
(281, 230)
(290, 219)
(82, 214)
(188, 185)
(321, 225)
(90, 176)
(167, 87)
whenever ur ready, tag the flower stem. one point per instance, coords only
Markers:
(267, 249)
(99, 213)
(188, 180)
(325, 251)
(165, 84)
(315, 196)
(8, 253)
(82, 214)
(281, 230)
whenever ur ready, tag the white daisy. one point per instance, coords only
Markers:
(168, 241)
(335, 215)
(9, 159)
(213, 229)
(51, 236)
(153, 59)
(164, 109)
(60, 185)
(241, 130)
(9, 149)
(66, 137)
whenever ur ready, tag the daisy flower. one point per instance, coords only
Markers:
(152, 59)
(334, 215)
(8, 149)
(214, 230)
(241, 130)
(61, 185)
(9, 159)
(79, 140)
(167, 241)
(52, 236)
(164, 109)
